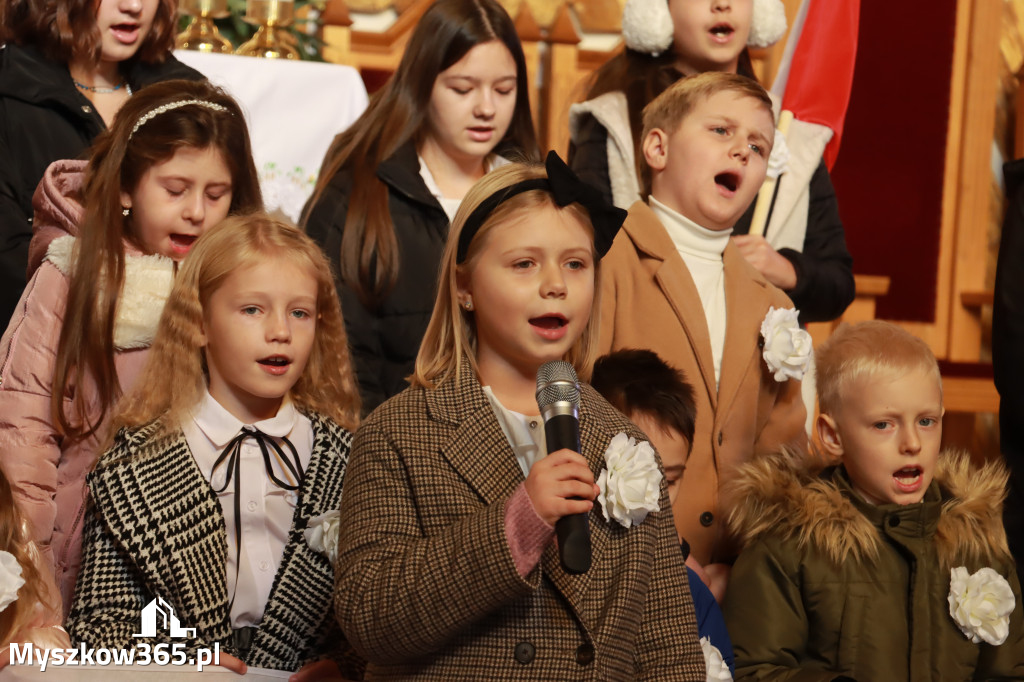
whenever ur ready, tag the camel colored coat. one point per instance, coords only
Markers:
(649, 300)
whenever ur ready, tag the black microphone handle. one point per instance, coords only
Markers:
(573, 531)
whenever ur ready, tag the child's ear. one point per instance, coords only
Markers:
(462, 287)
(655, 147)
(126, 200)
(829, 435)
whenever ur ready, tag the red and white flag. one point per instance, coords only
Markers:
(816, 74)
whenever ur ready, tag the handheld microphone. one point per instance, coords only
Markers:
(558, 397)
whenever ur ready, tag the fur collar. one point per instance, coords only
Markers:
(147, 284)
(789, 495)
(612, 112)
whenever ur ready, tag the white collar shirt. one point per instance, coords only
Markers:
(266, 510)
(524, 433)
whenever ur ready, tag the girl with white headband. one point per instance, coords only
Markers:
(108, 239)
(803, 248)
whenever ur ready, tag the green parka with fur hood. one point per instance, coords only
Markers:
(829, 587)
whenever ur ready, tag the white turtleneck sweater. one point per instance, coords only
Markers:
(701, 250)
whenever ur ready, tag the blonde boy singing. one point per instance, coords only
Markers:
(892, 565)
(675, 284)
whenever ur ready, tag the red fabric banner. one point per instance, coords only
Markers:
(821, 70)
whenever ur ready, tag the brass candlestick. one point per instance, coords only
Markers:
(202, 34)
(271, 40)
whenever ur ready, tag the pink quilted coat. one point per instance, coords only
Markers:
(47, 473)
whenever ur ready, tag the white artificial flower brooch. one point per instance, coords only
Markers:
(786, 347)
(322, 534)
(717, 668)
(631, 481)
(10, 579)
(980, 604)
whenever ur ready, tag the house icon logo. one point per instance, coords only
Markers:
(159, 609)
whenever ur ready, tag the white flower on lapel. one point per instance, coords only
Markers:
(630, 483)
(787, 348)
(10, 579)
(981, 604)
(322, 534)
(718, 669)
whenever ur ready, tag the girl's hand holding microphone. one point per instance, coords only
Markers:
(561, 484)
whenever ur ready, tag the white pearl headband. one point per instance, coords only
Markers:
(163, 108)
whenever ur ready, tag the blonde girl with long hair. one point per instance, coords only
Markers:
(457, 107)
(176, 161)
(231, 448)
(448, 567)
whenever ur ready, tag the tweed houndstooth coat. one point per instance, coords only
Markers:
(426, 584)
(155, 528)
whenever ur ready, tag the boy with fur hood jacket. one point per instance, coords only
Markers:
(893, 564)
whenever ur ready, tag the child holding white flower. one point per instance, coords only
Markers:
(28, 611)
(448, 566)
(675, 284)
(215, 476)
(892, 565)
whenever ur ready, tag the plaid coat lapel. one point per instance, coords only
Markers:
(162, 511)
(475, 447)
(299, 613)
(159, 507)
(479, 451)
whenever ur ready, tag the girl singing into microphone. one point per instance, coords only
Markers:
(447, 563)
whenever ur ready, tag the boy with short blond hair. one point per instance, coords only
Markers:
(892, 564)
(674, 283)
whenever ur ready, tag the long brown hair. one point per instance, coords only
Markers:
(14, 538)
(451, 333)
(85, 352)
(66, 31)
(397, 113)
(641, 78)
(327, 384)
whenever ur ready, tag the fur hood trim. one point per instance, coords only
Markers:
(147, 284)
(611, 111)
(785, 494)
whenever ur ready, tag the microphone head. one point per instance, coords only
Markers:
(557, 383)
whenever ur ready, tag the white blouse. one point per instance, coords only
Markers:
(266, 509)
(524, 433)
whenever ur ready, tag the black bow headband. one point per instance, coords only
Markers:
(565, 188)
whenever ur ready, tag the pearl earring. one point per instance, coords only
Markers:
(126, 211)
(468, 305)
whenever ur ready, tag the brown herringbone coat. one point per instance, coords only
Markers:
(649, 300)
(426, 585)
